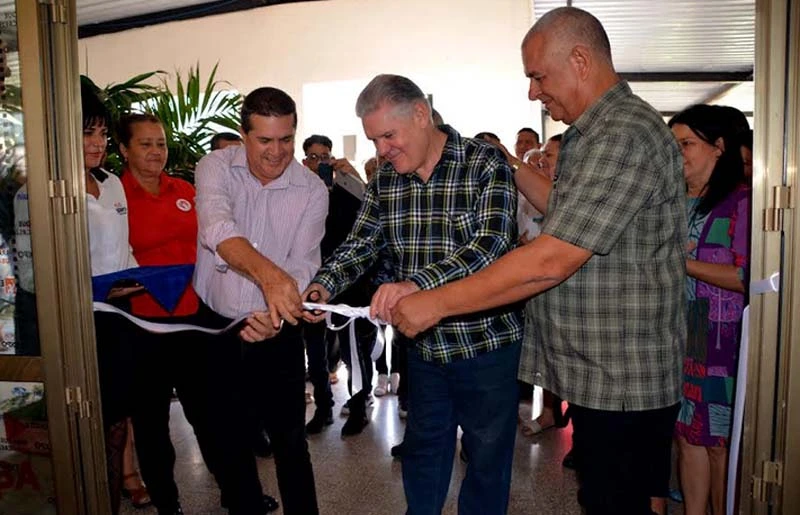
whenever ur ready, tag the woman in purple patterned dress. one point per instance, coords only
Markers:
(718, 208)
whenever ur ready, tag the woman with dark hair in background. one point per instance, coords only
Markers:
(718, 208)
(746, 148)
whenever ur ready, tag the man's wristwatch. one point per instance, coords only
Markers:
(515, 165)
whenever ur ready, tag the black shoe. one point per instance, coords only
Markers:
(318, 422)
(262, 446)
(172, 511)
(270, 504)
(345, 411)
(398, 450)
(560, 419)
(355, 424)
(569, 460)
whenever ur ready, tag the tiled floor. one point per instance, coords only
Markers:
(357, 475)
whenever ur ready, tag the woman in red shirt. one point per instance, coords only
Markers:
(163, 231)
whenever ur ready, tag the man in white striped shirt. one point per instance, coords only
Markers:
(261, 217)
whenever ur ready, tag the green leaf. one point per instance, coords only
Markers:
(191, 115)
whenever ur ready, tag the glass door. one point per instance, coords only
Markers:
(51, 446)
(770, 466)
(27, 484)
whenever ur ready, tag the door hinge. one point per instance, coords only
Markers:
(766, 488)
(73, 396)
(76, 402)
(85, 410)
(782, 199)
(69, 205)
(58, 11)
(58, 190)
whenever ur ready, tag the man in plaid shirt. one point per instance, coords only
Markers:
(444, 206)
(607, 272)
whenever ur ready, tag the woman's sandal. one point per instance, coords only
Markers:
(139, 496)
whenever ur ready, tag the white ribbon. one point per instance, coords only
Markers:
(381, 340)
(159, 328)
(771, 284)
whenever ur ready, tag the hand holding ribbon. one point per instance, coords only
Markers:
(381, 339)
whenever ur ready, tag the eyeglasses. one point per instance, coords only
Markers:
(322, 158)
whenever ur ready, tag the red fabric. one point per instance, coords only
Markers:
(163, 231)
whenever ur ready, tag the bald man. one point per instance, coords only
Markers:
(607, 273)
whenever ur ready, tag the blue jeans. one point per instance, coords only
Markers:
(478, 394)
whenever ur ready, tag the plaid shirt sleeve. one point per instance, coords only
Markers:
(610, 185)
(358, 252)
(494, 220)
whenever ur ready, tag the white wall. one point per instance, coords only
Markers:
(463, 52)
(552, 127)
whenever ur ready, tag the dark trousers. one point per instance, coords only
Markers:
(115, 338)
(334, 353)
(318, 368)
(478, 394)
(400, 349)
(115, 343)
(274, 374)
(205, 372)
(622, 458)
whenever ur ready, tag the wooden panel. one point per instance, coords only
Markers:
(21, 368)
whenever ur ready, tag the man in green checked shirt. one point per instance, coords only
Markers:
(444, 207)
(606, 274)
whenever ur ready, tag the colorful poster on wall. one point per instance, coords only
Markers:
(26, 473)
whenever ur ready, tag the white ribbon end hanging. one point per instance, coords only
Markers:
(768, 285)
(381, 339)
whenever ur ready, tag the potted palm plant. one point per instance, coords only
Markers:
(192, 111)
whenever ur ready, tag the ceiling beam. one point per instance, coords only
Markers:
(745, 76)
(178, 14)
(670, 114)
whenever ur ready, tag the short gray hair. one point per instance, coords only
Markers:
(394, 90)
(572, 26)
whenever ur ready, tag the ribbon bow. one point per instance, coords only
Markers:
(383, 337)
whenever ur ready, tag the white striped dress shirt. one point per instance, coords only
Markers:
(284, 221)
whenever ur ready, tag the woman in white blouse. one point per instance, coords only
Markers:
(107, 214)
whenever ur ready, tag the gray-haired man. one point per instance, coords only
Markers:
(445, 207)
(608, 271)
